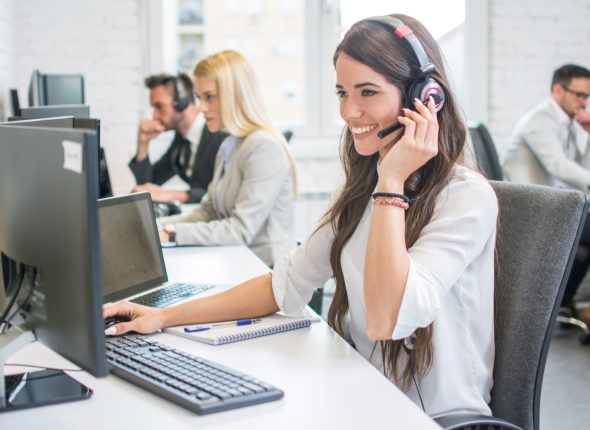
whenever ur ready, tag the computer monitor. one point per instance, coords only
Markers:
(56, 89)
(105, 188)
(50, 258)
(15, 102)
(77, 111)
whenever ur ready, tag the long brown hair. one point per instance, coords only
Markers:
(370, 44)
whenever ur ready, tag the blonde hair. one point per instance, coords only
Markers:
(241, 103)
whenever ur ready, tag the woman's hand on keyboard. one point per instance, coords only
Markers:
(137, 318)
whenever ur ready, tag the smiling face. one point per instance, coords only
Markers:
(368, 104)
(209, 103)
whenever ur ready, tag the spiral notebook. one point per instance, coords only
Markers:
(220, 335)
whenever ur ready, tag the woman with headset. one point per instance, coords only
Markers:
(250, 200)
(409, 239)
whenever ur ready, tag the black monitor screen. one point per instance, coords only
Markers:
(132, 256)
(64, 89)
(56, 89)
(49, 240)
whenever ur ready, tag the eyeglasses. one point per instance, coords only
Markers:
(580, 95)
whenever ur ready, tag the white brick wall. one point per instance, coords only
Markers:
(529, 39)
(101, 40)
(6, 55)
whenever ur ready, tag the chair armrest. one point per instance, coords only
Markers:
(460, 421)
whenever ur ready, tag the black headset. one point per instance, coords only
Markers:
(423, 87)
(182, 95)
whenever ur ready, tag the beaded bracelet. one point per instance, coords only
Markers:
(391, 201)
(393, 195)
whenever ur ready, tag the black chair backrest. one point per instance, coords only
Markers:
(485, 151)
(539, 230)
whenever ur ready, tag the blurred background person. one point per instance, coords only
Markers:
(250, 200)
(191, 154)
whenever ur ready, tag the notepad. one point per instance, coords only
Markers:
(273, 324)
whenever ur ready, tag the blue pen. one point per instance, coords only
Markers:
(224, 324)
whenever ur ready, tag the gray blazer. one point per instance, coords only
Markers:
(257, 198)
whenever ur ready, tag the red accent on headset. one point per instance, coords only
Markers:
(403, 31)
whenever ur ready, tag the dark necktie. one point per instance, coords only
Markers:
(184, 155)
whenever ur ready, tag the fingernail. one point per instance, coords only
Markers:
(417, 101)
(110, 331)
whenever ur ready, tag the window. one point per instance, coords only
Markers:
(291, 43)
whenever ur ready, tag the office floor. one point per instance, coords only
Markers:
(565, 398)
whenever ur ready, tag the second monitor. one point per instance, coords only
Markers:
(56, 89)
(83, 123)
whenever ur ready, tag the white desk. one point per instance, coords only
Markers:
(327, 384)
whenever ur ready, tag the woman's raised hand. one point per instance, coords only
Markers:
(418, 144)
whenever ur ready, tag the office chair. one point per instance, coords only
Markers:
(539, 230)
(485, 151)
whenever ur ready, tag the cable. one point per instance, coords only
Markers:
(3, 319)
(416, 384)
(408, 345)
(43, 367)
(24, 302)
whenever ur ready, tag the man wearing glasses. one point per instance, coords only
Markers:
(550, 146)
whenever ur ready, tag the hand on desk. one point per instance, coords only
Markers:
(142, 319)
(161, 195)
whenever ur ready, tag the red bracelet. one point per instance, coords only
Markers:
(391, 201)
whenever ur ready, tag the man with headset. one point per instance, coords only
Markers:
(551, 146)
(191, 154)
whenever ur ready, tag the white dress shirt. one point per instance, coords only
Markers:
(549, 148)
(450, 284)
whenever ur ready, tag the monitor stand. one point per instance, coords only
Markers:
(33, 389)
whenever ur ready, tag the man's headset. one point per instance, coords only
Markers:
(423, 87)
(182, 95)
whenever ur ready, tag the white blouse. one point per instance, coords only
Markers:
(450, 284)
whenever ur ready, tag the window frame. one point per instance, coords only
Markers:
(160, 47)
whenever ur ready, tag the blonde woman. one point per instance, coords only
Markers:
(250, 199)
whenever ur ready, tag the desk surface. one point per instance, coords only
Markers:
(327, 384)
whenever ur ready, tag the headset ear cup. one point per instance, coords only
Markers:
(181, 98)
(423, 89)
(180, 104)
(414, 91)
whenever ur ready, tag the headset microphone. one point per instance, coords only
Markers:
(387, 131)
